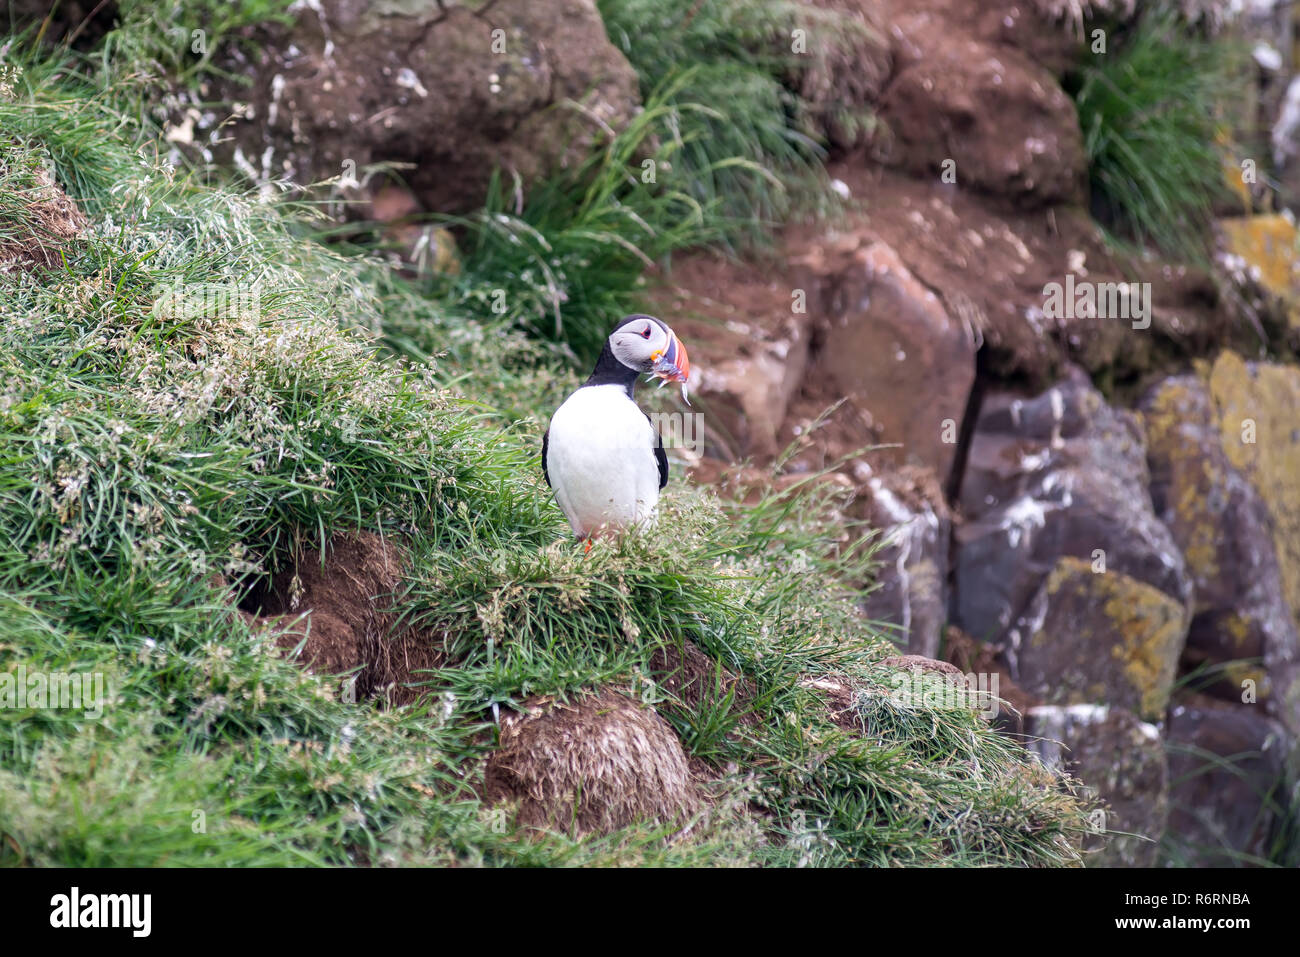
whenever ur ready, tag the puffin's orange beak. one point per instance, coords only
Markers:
(673, 365)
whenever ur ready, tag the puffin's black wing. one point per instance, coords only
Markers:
(660, 457)
(546, 441)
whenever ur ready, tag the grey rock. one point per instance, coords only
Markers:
(1122, 760)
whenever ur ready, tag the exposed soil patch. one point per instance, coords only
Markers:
(51, 219)
(695, 678)
(343, 608)
(591, 766)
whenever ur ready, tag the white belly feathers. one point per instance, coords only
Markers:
(601, 461)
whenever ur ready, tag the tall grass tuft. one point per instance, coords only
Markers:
(1149, 113)
(728, 65)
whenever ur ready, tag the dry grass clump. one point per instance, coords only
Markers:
(42, 220)
(591, 767)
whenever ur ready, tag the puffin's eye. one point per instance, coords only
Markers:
(645, 333)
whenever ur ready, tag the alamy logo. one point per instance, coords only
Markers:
(680, 430)
(1098, 300)
(134, 911)
(925, 689)
(58, 689)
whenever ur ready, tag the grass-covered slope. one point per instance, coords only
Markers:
(165, 448)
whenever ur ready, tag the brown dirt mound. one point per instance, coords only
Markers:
(52, 219)
(347, 623)
(591, 766)
(922, 663)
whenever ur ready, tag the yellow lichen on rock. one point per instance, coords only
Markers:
(1143, 627)
(1232, 173)
(1258, 407)
(1152, 626)
(1191, 476)
(1268, 243)
(1238, 673)
(1237, 628)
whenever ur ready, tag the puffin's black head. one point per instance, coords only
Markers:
(646, 344)
(641, 344)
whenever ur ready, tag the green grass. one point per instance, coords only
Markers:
(730, 68)
(85, 138)
(180, 40)
(163, 453)
(1148, 109)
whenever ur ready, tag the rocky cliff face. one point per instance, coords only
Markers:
(1105, 497)
(1114, 505)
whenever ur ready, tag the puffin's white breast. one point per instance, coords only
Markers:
(600, 459)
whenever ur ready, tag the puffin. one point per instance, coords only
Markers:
(601, 454)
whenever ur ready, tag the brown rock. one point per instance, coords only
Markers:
(999, 117)
(750, 345)
(990, 263)
(1048, 32)
(752, 393)
(883, 334)
(435, 85)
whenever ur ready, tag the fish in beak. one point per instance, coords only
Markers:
(673, 365)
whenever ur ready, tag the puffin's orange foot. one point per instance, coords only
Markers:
(587, 547)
